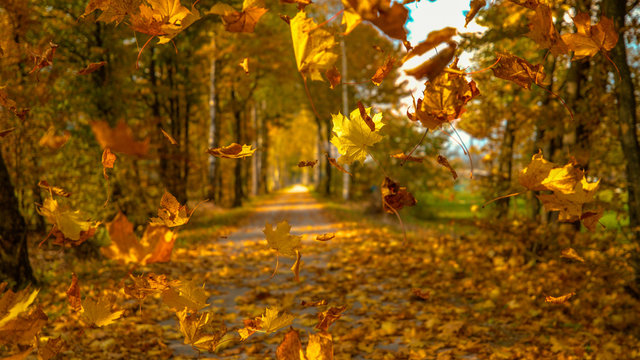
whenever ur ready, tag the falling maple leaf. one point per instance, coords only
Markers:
(244, 64)
(404, 157)
(588, 40)
(383, 70)
(320, 346)
(169, 137)
(45, 59)
(560, 299)
(308, 163)
(295, 268)
(155, 246)
(312, 47)
(387, 16)
(68, 222)
(518, 70)
(325, 237)
(53, 190)
(290, 348)
(148, 284)
(10, 104)
(543, 31)
(570, 253)
(394, 196)
(53, 141)
(73, 294)
(22, 329)
(335, 164)
(185, 295)
(435, 65)
(14, 303)
(108, 161)
(444, 162)
(201, 332)
(99, 313)
(444, 98)
(433, 39)
(267, 323)
(51, 349)
(328, 317)
(113, 10)
(171, 213)
(6, 132)
(334, 77)
(353, 137)
(570, 188)
(240, 21)
(92, 68)
(233, 151)
(281, 240)
(475, 5)
(119, 139)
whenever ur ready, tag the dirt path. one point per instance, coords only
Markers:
(246, 279)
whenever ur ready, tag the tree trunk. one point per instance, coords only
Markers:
(212, 131)
(627, 121)
(239, 180)
(264, 152)
(505, 166)
(328, 168)
(14, 257)
(345, 110)
(255, 159)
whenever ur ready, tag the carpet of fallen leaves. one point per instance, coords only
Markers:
(442, 295)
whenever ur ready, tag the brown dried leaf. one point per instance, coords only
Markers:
(559, 300)
(433, 39)
(6, 132)
(53, 141)
(383, 70)
(334, 77)
(335, 164)
(590, 39)
(328, 317)
(45, 59)
(570, 253)
(91, 68)
(435, 65)
(233, 151)
(543, 31)
(290, 348)
(475, 5)
(444, 162)
(309, 163)
(367, 119)
(53, 189)
(325, 237)
(24, 328)
(404, 157)
(424, 295)
(73, 294)
(169, 137)
(394, 196)
(296, 266)
(518, 70)
(119, 139)
(108, 161)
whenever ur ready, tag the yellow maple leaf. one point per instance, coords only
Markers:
(588, 40)
(98, 313)
(69, 222)
(312, 47)
(171, 213)
(267, 323)
(14, 303)
(281, 240)
(22, 329)
(541, 174)
(185, 295)
(201, 331)
(353, 137)
(240, 21)
(320, 346)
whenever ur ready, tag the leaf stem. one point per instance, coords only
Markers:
(415, 147)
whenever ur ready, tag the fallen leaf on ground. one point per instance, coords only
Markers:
(570, 253)
(325, 237)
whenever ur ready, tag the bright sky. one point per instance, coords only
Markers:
(427, 16)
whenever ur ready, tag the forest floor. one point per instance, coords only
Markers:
(440, 295)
